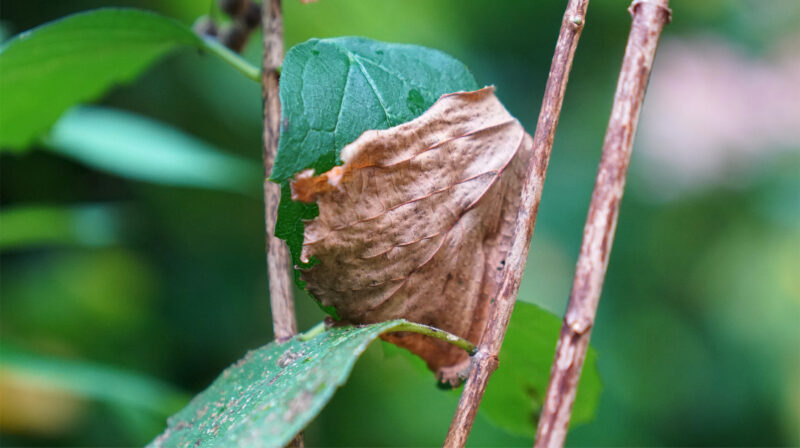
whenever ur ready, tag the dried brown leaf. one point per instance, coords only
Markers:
(417, 222)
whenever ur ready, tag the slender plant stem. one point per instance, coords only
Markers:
(485, 361)
(280, 282)
(649, 18)
(313, 332)
(404, 325)
(284, 324)
(236, 61)
(427, 330)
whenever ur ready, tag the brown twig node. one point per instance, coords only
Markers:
(649, 18)
(485, 362)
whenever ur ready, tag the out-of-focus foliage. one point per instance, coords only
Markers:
(87, 380)
(48, 395)
(41, 225)
(515, 396)
(138, 148)
(697, 336)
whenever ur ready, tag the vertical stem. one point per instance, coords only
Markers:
(485, 361)
(284, 324)
(649, 18)
(280, 282)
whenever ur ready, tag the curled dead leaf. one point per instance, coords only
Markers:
(417, 222)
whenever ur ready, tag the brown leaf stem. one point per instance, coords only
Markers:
(280, 282)
(485, 361)
(649, 18)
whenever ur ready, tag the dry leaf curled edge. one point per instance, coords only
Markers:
(417, 222)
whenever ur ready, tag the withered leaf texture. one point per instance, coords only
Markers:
(417, 221)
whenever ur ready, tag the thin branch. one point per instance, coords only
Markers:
(485, 361)
(284, 324)
(649, 18)
(280, 282)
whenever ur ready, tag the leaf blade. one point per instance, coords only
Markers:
(516, 392)
(271, 394)
(45, 70)
(138, 148)
(351, 85)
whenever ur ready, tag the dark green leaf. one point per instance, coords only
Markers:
(271, 394)
(46, 70)
(517, 389)
(332, 90)
(139, 148)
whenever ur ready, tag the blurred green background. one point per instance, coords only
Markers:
(124, 294)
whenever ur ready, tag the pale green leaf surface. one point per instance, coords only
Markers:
(516, 392)
(271, 394)
(47, 69)
(91, 381)
(332, 90)
(135, 147)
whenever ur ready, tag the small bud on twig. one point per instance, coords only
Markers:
(233, 8)
(252, 15)
(234, 37)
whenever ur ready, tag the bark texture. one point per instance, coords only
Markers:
(281, 300)
(649, 18)
(280, 282)
(486, 361)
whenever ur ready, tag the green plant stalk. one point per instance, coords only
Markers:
(236, 61)
(315, 331)
(413, 327)
(450, 338)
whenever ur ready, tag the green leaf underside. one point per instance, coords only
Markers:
(516, 392)
(136, 147)
(271, 394)
(75, 59)
(274, 392)
(332, 90)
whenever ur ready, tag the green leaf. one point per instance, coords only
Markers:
(92, 381)
(139, 148)
(47, 225)
(516, 392)
(75, 59)
(270, 395)
(332, 90)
